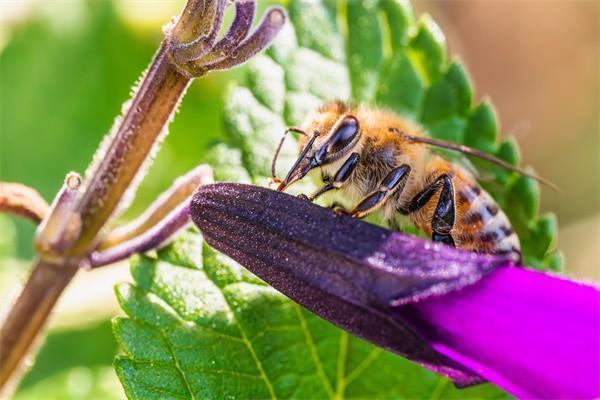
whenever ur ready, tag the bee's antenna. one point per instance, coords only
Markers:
(479, 154)
(274, 161)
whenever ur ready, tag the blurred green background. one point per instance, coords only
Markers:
(67, 66)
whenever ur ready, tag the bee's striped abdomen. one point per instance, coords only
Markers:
(480, 224)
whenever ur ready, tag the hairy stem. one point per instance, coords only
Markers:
(29, 314)
(151, 108)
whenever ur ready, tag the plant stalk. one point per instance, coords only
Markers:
(151, 108)
(136, 135)
(29, 314)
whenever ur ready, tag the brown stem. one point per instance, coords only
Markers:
(23, 201)
(30, 312)
(137, 134)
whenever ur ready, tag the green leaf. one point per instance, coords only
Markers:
(554, 261)
(211, 329)
(482, 129)
(463, 91)
(365, 33)
(449, 96)
(265, 77)
(229, 160)
(401, 87)
(544, 235)
(451, 129)
(400, 19)
(509, 151)
(216, 331)
(523, 198)
(311, 72)
(428, 47)
(254, 127)
(316, 28)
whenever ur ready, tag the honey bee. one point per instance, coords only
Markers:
(383, 162)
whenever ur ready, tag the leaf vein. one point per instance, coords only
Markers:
(159, 389)
(313, 351)
(199, 369)
(362, 367)
(252, 352)
(177, 366)
(341, 367)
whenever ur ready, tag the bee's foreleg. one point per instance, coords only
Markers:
(340, 177)
(442, 220)
(393, 181)
(443, 216)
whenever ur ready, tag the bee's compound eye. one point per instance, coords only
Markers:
(344, 134)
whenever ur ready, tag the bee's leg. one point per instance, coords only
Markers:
(443, 216)
(394, 225)
(323, 189)
(442, 221)
(393, 181)
(339, 208)
(340, 177)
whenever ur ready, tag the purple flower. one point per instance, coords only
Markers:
(467, 316)
(533, 334)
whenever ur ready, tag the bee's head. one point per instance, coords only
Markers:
(323, 149)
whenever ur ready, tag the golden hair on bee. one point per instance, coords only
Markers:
(383, 162)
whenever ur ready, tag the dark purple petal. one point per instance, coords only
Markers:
(349, 272)
(533, 334)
